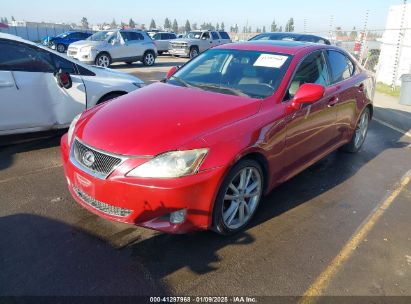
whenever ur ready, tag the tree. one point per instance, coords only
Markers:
(187, 27)
(175, 26)
(143, 26)
(289, 27)
(194, 26)
(264, 29)
(222, 26)
(217, 26)
(338, 31)
(12, 18)
(2, 20)
(353, 34)
(153, 24)
(113, 23)
(84, 23)
(131, 23)
(280, 29)
(274, 27)
(167, 24)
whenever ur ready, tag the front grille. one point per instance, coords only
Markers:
(178, 45)
(98, 162)
(103, 207)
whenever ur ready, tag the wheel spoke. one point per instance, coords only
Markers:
(241, 215)
(229, 197)
(249, 195)
(234, 188)
(246, 208)
(248, 177)
(243, 176)
(231, 213)
(251, 187)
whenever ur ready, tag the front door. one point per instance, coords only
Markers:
(310, 130)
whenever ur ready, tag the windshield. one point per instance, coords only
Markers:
(100, 36)
(193, 35)
(236, 72)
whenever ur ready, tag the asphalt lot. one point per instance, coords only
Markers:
(49, 245)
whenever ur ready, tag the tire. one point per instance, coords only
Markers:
(149, 58)
(194, 52)
(61, 48)
(110, 96)
(160, 53)
(103, 60)
(129, 62)
(359, 133)
(232, 198)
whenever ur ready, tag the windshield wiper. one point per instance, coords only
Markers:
(231, 90)
(183, 82)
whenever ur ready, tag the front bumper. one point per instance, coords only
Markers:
(179, 52)
(84, 57)
(148, 200)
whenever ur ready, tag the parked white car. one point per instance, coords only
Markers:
(163, 40)
(106, 47)
(41, 89)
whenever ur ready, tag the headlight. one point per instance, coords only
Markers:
(86, 49)
(71, 129)
(139, 84)
(171, 164)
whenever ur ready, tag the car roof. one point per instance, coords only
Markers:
(274, 46)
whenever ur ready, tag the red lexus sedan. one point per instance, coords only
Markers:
(199, 149)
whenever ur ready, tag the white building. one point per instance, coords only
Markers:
(395, 58)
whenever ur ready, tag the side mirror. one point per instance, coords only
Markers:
(114, 41)
(172, 71)
(307, 93)
(63, 79)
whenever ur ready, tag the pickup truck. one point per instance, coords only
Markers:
(196, 42)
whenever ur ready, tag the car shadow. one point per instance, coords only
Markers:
(44, 257)
(15, 144)
(170, 63)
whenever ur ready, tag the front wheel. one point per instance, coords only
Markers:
(149, 59)
(238, 197)
(103, 60)
(359, 134)
(194, 52)
(61, 48)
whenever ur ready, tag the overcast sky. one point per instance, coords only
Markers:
(347, 13)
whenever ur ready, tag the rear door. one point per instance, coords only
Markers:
(311, 130)
(225, 38)
(134, 44)
(216, 40)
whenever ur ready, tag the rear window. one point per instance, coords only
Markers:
(224, 35)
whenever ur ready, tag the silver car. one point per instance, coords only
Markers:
(106, 47)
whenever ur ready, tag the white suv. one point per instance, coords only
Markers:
(106, 47)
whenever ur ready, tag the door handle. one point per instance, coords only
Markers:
(332, 101)
(6, 84)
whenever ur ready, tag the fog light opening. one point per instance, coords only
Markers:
(178, 217)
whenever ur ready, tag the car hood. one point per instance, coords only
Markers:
(184, 40)
(159, 118)
(82, 43)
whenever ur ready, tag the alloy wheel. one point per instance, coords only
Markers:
(149, 59)
(103, 61)
(361, 129)
(61, 48)
(242, 197)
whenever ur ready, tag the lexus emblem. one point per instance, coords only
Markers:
(88, 158)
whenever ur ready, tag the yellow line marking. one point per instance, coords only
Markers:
(322, 281)
(403, 132)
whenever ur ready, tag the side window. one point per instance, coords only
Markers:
(311, 70)
(206, 35)
(157, 37)
(224, 35)
(215, 36)
(173, 36)
(15, 56)
(341, 67)
(65, 65)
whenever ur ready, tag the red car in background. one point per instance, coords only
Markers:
(199, 149)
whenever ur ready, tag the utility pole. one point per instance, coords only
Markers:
(364, 37)
(330, 34)
(401, 34)
(305, 26)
